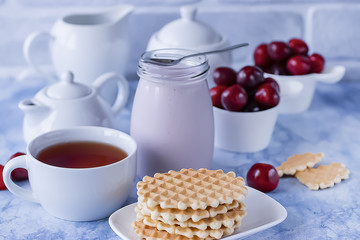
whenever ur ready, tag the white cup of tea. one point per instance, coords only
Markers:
(80, 192)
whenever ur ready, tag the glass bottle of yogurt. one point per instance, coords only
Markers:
(172, 118)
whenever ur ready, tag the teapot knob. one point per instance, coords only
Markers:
(67, 77)
(188, 12)
(67, 88)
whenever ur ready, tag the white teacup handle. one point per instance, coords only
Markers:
(18, 162)
(122, 85)
(28, 45)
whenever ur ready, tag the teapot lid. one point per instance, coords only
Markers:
(187, 32)
(66, 88)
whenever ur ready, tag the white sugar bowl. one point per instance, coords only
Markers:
(188, 33)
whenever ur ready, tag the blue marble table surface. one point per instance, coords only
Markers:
(331, 125)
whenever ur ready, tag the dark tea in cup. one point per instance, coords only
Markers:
(82, 154)
(83, 186)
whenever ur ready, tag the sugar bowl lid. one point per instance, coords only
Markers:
(66, 88)
(187, 32)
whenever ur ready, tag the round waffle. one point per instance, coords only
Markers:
(188, 188)
(151, 233)
(227, 219)
(170, 215)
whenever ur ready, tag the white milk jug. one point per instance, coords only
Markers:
(87, 45)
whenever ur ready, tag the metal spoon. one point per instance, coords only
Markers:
(171, 62)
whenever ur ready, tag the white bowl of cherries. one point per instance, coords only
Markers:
(291, 61)
(245, 108)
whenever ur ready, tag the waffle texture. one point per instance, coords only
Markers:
(190, 188)
(151, 233)
(226, 219)
(170, 215)
(190, 204)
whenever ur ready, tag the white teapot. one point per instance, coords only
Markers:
(67, 104)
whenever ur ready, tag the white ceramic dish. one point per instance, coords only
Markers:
(244, 131)
(303, 100)
(263, 212)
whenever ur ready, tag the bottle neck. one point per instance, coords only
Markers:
(190, 70)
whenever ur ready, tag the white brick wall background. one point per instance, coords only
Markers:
(330, 27)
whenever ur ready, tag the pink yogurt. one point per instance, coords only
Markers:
(172, 118)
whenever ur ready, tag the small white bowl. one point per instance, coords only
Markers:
(302, 101)
(244, 131)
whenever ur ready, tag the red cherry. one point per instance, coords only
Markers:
(279, 51)
(298, 46)
(277, 68)
(273, 82)
(2, 184)
(249, 77)
(234, 98)
(252, 106)
(317, 63)
(18, 174)
(215, 94)
(261, 56)
(298, 65)
(224, 76)
(267, 96)
(262, 177)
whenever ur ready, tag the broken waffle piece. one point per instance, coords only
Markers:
(299, 162)
(324, 176)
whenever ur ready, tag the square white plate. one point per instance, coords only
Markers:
(262, 212)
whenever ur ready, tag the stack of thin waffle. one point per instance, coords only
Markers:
(190, 204)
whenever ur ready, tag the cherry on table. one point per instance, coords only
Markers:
(261, 56)
(298, 46)
(224, 76)
(18, 174)
(317, 63)
(279, 50)
(234, 98)
(249, 77)
(262, 177)
(215, 94)
(298, 65)
(267, 96)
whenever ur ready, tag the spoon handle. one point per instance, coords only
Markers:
(219, 50)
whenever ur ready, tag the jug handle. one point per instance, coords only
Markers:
(28, 45)
(122, 85)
